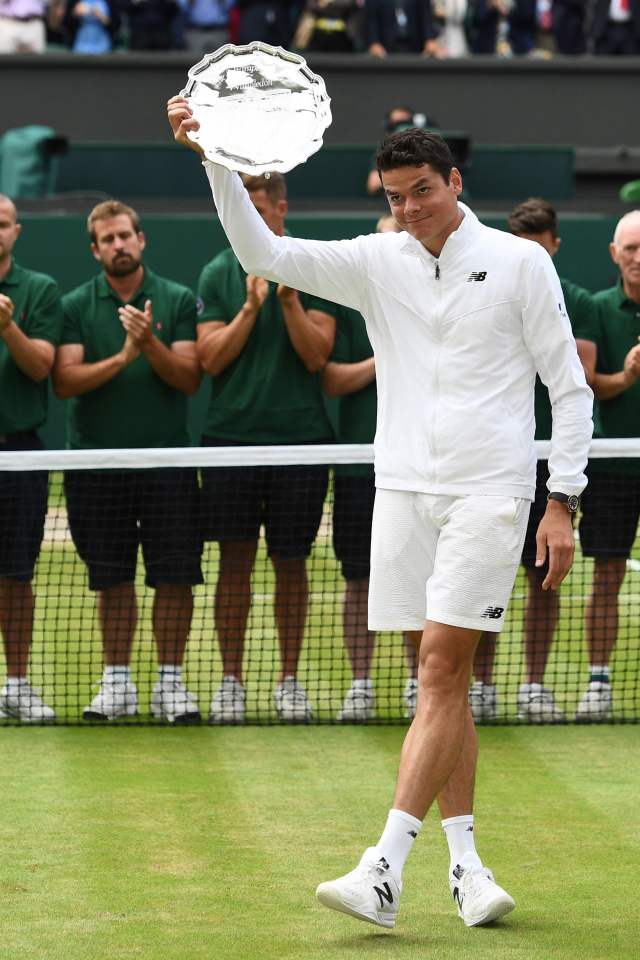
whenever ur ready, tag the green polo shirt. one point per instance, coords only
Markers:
(356, 411)
(266, 395)
(38, 312)
(136, 408)
(619, 319)
(583, 317)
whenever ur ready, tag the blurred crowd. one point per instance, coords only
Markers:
(433, 28)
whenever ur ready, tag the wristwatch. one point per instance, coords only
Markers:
(571, 501)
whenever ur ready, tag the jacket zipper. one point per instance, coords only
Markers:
(437, 270)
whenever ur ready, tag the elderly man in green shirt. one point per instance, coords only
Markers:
(30, 328)
(611, 508)
(128, 362)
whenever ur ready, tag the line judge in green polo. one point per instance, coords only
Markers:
(128, 362)
(30, 328)
(611, 511)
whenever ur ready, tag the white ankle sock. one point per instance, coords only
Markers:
(462, 845)
(170, 672)
(16, 681)
(397, 839)
(362, 683)
(117, 675)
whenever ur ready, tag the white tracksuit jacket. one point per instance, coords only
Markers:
(457, 343)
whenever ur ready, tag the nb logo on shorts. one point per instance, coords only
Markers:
(478, 275)
(493, 613)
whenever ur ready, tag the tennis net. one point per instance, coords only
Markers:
(147, 558)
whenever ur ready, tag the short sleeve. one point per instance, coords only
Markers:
(185, 326)
(211, 305)
(45, 314)
(585, 318)
(71, 324)
(342, 352)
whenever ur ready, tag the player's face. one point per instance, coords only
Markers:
(546, 239)
(273, 212)
(422, 203)
(118, 246)
(9, 229)
(626, 252)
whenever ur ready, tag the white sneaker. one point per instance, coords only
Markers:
(537, 705)
(172, 702)
(483, 700)
(596, 703)
(20, 702)
(290, 700)
(229, 702)
(478, 897)
(410, 697)
(368, 893)
(359, 705)
(113, 700)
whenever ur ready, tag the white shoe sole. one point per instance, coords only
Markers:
(103, 717)
(180, 719)
(499, 908)
(9, 715)
(220, 720)
(329, 897)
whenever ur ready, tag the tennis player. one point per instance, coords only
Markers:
(460, 318)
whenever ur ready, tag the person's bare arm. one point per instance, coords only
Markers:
(34, 357)
(588, 353)
(177, 365)
(609, 385)
(311, 332)
(219, 343)
(339, 379)
(73, 377)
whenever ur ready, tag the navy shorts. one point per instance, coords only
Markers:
(536, 514)
(23, 508)
(113, 512)
(288, 501)
(610, 512)
(352, 516)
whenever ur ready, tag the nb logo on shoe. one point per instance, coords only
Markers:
(384, 893)
(478, 275)
(493, 613)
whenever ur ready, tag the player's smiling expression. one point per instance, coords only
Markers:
(423, 204)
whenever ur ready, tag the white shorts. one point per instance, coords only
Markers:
(449, 559)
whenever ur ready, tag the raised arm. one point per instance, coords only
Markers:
(331, 269)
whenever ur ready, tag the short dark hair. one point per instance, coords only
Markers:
(414, 148)
(535, 216)
(274, 185)
(109, 209)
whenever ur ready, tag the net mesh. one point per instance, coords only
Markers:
(118, 569)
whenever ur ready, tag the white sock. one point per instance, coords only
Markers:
(15, 681)
(397, 839)
(600, 673)
(170, 672)
(117, 675)
(462, 845)
(362, 683)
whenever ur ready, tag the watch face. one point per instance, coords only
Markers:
(573, 503)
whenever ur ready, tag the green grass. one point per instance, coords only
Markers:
(207, 844)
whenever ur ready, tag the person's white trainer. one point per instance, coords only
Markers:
(172, 702)
(596, 703)
(483, 700)
(410, 697)
(19, 701)
(536, 704)
(113, 700)
(229, 704)
(368, 893)
(359, 705)
(477, 896)
(291, 703)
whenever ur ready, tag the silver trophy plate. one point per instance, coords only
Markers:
(260, 108)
